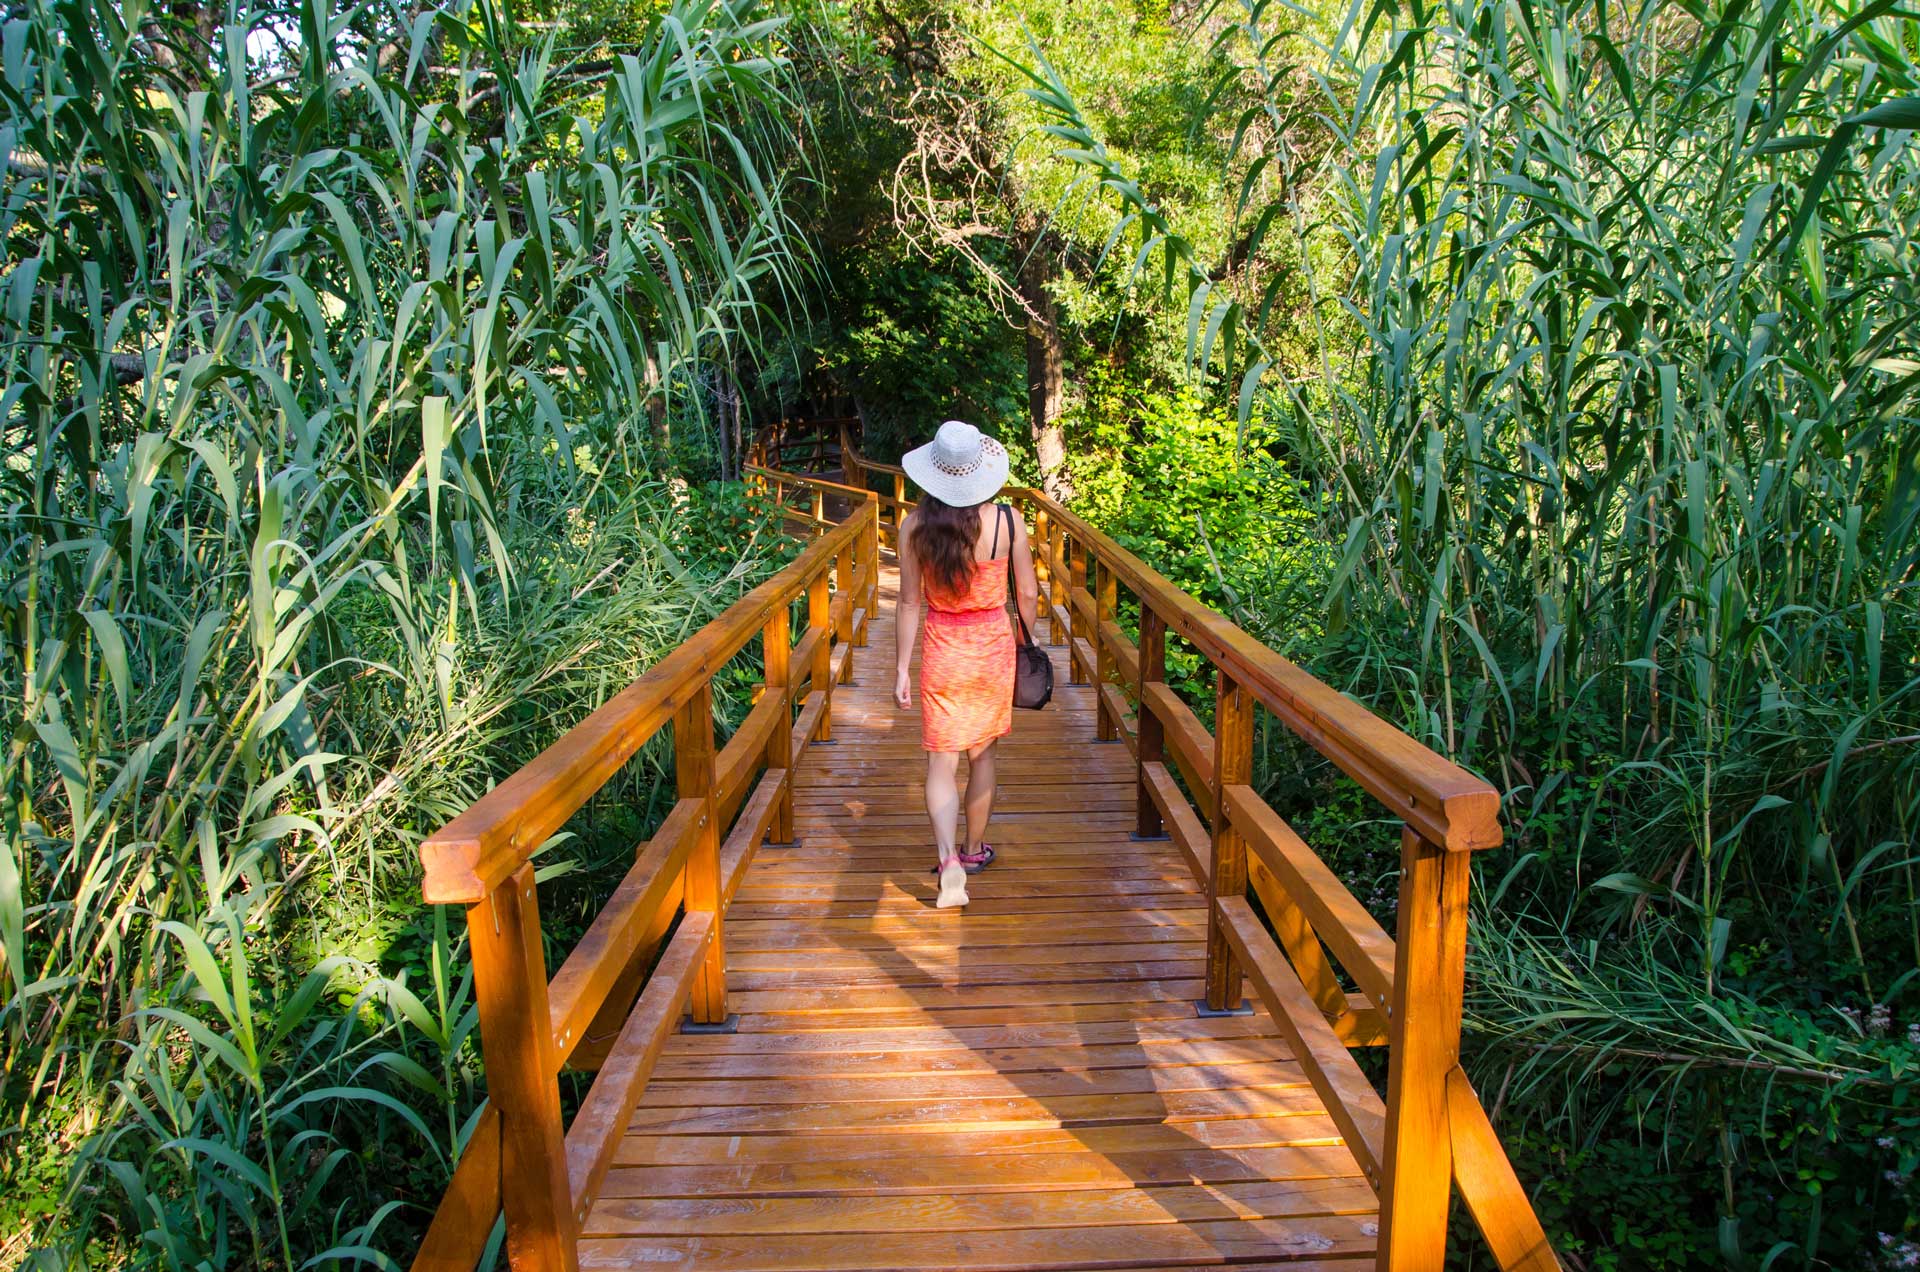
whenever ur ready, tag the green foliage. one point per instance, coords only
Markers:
(333, 491)
(920, 342)
(1208, 504)
(1611, 420)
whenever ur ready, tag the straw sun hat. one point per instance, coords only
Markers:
(960, 467)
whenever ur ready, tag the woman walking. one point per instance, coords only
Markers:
(957, 549)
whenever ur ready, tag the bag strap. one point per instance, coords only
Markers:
(1026, 638)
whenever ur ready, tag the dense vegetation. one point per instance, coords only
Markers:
(1544, 376)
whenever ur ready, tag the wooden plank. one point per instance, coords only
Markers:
(807, 725)
(802, 664)
(1234, 1241)
(937, 1144)
(1000, 1039)
(1052, 1062)
(735, 765)
(1428, 985)
(931, 959)
(463, 1221)
(1492, 1191)
(1345, 1092)
(772, 1093)
(1182, 824)
(912, 1117)
(1120, 714)
(1188, 739)
(1357, 941)
(928, 998)
(1125, 654)
(607, 947)
(743, 841)
(999, 1212)
(603, 1115)
(988, 1173)
(977, 975)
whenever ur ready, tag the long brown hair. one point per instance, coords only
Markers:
(943, 539)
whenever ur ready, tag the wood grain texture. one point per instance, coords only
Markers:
(464, 1220)
(1019, 1084)
(1490, 1188)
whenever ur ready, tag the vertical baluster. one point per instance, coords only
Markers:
(1232, 766)
(1105, 601)
(693, 779)
(819, 618)
(819, 506)
(1057, 582)
(776, 647)
(843, 587)
(1151, 737)
(1077, 670)
(516, 1042)
(1042, 564)
(1430, 961)
(873, 562)
(899, 506)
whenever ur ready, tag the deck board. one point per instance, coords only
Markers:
(1022, 1084)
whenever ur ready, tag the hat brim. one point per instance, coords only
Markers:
(976, 487)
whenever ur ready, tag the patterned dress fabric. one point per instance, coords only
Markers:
(966, 663)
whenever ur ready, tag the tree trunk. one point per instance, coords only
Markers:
(1046, 367)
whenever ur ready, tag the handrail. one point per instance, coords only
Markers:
(521, 1157)
(1431, 1130)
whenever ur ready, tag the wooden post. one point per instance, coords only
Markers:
(776, 647)
(1105, 600)
(1058, 580)
(1423, 1036)
(1042, 565)
(843, 586)
(1232, 766)
(820, 619)
(1077, 671)
(819, 506)
(516, 1042)
(873, 564)
(693, 779)
(1151, 738)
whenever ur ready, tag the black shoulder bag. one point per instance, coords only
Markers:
(1032, 668)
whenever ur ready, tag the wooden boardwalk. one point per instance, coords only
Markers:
(1022, 1084)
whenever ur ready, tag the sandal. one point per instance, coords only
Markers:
(973, 862)
(953, 885)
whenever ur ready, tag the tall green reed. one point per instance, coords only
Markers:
(1614, 391)
(336, 402)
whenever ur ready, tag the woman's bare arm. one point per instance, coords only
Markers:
(906, 616)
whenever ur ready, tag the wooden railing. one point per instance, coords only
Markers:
(521, 1157)
(1431, 1132)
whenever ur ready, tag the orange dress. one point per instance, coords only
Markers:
(966, 663)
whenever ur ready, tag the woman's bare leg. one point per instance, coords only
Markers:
(943, 798)
(943, 806)
(980, 789)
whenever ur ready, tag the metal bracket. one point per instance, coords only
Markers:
(1139, 838)
(1205, 1012)
(730, 1025)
